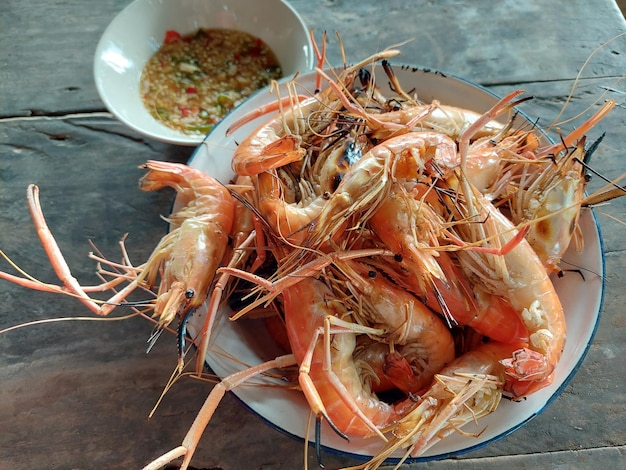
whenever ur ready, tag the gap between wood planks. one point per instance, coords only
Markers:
(53, 116)
(600, 457)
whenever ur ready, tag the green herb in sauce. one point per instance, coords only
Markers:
(192, 81)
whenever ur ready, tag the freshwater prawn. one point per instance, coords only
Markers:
(278, 141)
(467, 389)
(323, 325)
(291, 198)
(367, 182)
(182, 265)
(186, 259)
(323, 339)
(548, 189)
(411, 228)
(405, 320)
(518, 275)
(409, 114)
(455, 254)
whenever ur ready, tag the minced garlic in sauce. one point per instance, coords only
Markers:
(192, 81)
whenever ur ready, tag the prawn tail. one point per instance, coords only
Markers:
(473, 397)
(398, 371)
(467, 398)
(526, 371)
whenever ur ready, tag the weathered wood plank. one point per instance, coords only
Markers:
(78, 394)
(573, 459)
(85, 167)
(51, 59)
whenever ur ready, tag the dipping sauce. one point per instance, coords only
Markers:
(192, 81)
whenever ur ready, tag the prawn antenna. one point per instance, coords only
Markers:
(318, 439)
(318, 436)
(592, 148)
(181, 335)
(611, 191)
(577, 269)
(156, 334)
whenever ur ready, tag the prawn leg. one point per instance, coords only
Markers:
(289, 100)
(502, 106)
(505, 249)
(62, 270)
(30, 282)
(320, 56)
(272, 107)
(352, 105)
(308, 386)
(214, 302)
(54, 253)
(580, 131)
(192, 438)
(310, 269)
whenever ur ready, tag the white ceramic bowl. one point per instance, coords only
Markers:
(138, 31)
(287, 410)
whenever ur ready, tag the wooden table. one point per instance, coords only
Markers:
(77, 394)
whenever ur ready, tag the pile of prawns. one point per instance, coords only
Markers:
(405, 246)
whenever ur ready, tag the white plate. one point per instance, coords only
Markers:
(137, 32)
(288, 410)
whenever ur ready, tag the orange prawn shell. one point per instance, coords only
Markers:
(192, 252)
(306, 305)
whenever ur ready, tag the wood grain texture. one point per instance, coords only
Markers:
(54, 42)
(77, 394)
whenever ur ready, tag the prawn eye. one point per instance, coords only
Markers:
(397, 257)
(190, 293)
(372, 274)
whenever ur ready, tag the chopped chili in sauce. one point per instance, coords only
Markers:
(194, 80)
